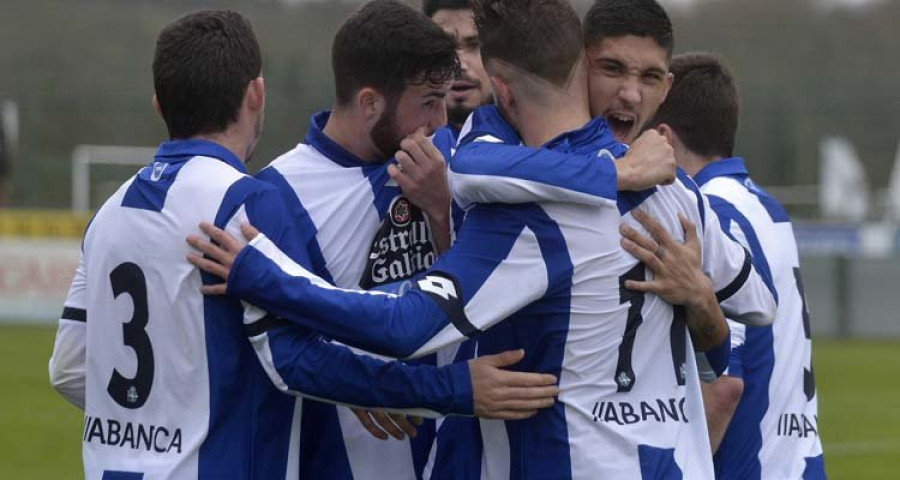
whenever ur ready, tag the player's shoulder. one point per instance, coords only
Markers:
(743, 195)
(300, 159)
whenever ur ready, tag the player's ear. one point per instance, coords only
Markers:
(256, 94)
(666, 131)
(370, 103)
(503, 94)
(156, 107)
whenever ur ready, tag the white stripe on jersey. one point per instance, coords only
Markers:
(340, 203)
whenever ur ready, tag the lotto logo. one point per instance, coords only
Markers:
(440, 286)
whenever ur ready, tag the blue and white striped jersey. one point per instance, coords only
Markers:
(170, 385)
(630, 405)
(774, 432)
(362, 233)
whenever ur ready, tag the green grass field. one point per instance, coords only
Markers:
(859, 409)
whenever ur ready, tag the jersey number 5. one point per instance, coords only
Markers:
(133, 392)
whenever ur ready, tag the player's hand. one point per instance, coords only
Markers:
(219, 253)
(677, 277)
(677, 274)
(649, 162)
(381, 424)
(422, 174)
(505, 395)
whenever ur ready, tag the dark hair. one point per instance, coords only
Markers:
(542, 37)
(202, 66)
(703, 106)
(618, 18)
(430, 7)
(386, 45)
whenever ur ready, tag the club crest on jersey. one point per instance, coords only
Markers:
(158, 169)
(132, 395)
(400, 213)
(401, 248)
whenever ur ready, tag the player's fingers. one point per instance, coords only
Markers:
(210, 250)
(411, 168)
(690, 230)
(250, 232)
(416, 420)
(646, 256)
(503, 359)
(402, 179)
(529, 380)
(385, 422)
(528, 404)
(645, 287)
(218, 289)
(654, 227)
(643, 241)
(405, 424)
(208, 265)
(531, 392)
(221, 237)
(368, 424)
(422, 149)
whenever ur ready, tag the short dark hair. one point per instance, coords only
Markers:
(201, 68)
(430, 7)
(387, 45)
(618, 18)
(703, 105)
(542, 37)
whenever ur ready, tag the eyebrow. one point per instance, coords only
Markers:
(435, 94)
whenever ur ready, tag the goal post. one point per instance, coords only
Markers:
(84, 157)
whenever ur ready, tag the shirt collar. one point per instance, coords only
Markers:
(593, 133)
(316, 138)
(721, 168)
(181, 150)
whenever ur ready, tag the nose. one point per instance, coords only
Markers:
(630, 91)
(463, 59)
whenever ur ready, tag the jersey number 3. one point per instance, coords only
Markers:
(133, 392)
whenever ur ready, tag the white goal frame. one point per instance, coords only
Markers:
(84, 156)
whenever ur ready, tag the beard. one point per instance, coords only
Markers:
(385, 133)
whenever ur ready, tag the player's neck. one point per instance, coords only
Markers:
(556, 110)
(691, 162)
(234, 143)
(345, 128)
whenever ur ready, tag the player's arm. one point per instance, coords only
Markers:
(67, 365)
(721, 398)
(299, 362)
(495, 269)
(485, 171)
(743, 289)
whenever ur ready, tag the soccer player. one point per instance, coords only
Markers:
(556, 270)
(762, 415)
(373, 220)
(472, 88)
(170, 385)
(629, 46)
